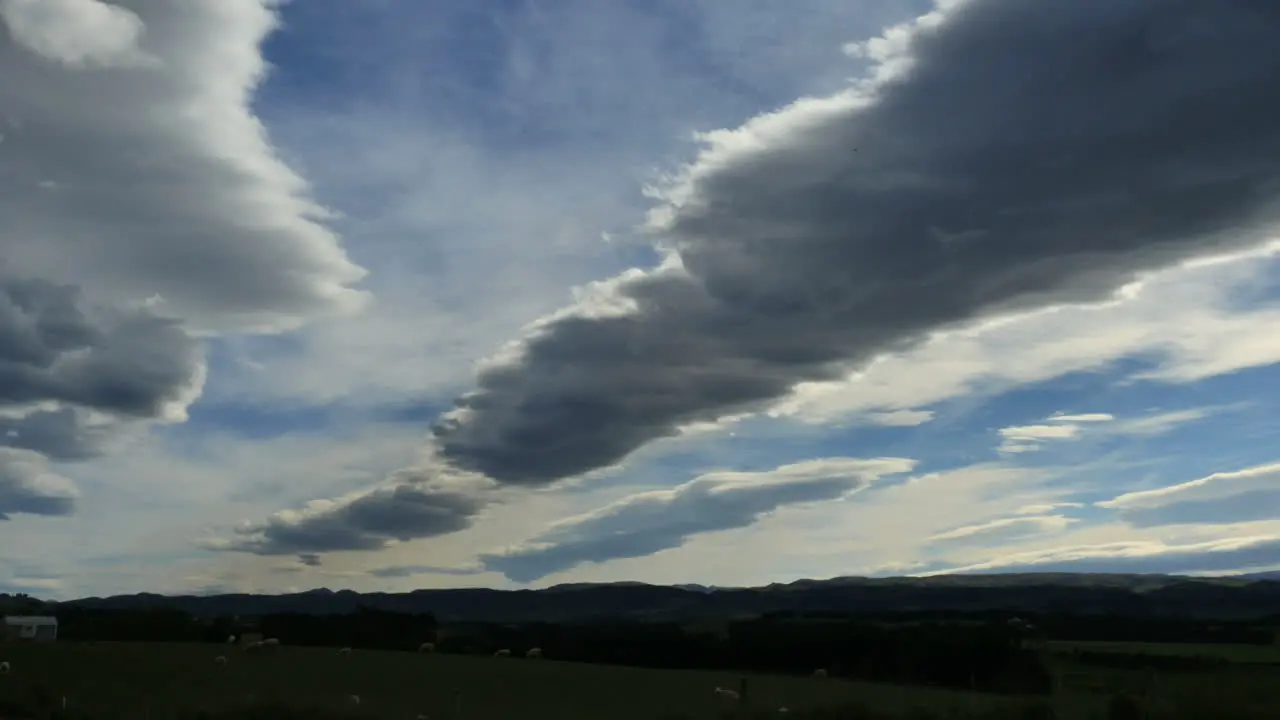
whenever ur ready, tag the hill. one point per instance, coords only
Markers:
(1127, 595)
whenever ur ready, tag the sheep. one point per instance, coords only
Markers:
(255, 647)
(504, 652)
(820, 673)
(783, 710)
(727, 694)
(534, 653)
(221, 660)
(231, 639)
(353, 699)
(344, 651)
(427, 647)
(4, 668)
(272, 642)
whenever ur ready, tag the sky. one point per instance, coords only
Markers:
(395, 294)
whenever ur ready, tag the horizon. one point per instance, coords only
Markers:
(392, 295)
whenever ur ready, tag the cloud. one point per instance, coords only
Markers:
(1216, 556)
(1082, 418)
(1029, 438)
(801, 244)
(55, 350)
(75, 32)
(1025, 438)
(28, 487)
(649, 522)
(142, 209)
(405, 509)
(1005, 529)
(404, 571)
(902, 418)
(155, 179)
(1220, 498)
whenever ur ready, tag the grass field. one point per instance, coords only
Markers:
(161, 681)
(1269, 654)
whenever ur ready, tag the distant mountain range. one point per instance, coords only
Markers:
(1250, 596)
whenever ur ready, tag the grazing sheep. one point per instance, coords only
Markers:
(4, 668)
(353, 699)
(783, 711)
(503, 653)
(272, 642)
(255, 647)
(820, 673)
(221, 660)
(534, 653)
(427, 647)
(344, 651)
(728, 694)
(231, 639)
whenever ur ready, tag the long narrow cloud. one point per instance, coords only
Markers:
(1000, 159)
(1074, 150)
(1225, 497)
(1217, 556)
(649, 522)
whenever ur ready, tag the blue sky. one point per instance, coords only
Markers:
(726, 293)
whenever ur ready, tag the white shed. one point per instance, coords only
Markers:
(31, 627)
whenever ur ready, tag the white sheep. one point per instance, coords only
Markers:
(4, 668)
(221, 660)
(231, 639)
(427, 647)
(820, 673)
(783, 711)
(255, 647)
(504, 652)
(728, 694)
(353, 699)
(344, 651)
(534, 653)
(272, 642)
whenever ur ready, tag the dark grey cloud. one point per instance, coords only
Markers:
(62, 359)
(1004, 156)
(309, 559)
(55, 349)
(649, 522)
(403, 571)
(1142, 557)
(1069, 149)
(28, 487)
(404, 511)
(1221, 498)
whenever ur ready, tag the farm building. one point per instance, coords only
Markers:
(40, 628)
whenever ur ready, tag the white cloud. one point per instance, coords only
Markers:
(1029, 438)
(76, 32)
(1220, 498)
(1185, 321)
(1003, 529)
(1216, 556)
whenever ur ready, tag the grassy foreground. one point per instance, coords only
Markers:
(163, 681)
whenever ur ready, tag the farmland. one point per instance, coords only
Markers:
(160, 680)
(166, 680)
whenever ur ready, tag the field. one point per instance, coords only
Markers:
(160, 681)
(1266, 654)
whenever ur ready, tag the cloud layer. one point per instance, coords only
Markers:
(649, 522)
(142, 208)
(998, 160)
(1002, 159)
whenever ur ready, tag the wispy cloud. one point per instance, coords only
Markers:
(1224, 497)
(656, 520)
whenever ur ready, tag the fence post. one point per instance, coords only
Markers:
(744, 703)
